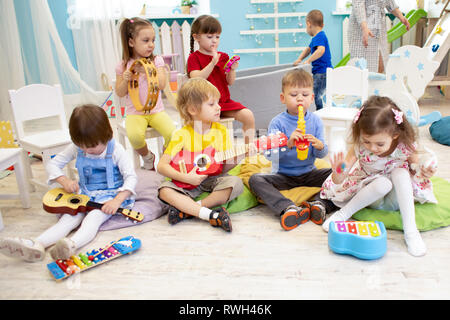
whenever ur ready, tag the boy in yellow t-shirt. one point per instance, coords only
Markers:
(198, 105)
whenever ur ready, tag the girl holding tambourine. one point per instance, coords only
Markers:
(138, 42)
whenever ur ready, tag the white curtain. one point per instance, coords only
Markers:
(94, 25)
(10, 57)
(95, 29)
(53, 62)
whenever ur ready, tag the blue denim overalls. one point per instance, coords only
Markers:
(100, 179)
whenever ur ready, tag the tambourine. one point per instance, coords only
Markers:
(153, 85)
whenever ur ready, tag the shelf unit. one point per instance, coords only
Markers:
(276, 31)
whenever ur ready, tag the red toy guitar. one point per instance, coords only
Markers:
(210, 162)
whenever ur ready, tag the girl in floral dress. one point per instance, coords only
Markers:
(382, 170)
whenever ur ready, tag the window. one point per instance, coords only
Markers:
(91, 9)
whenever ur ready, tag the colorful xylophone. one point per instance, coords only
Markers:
(362, 239)
(62, 269)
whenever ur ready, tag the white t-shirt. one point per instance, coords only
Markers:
(120, 158)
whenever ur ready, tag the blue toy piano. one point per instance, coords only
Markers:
(362, 239)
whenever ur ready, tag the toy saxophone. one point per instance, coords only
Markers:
(301, 144)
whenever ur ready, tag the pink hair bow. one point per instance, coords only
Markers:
(398, 116)
(358, 114)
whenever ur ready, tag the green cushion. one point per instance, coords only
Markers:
(428, 215)
(244, 201)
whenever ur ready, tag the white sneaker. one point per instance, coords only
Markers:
(63, 249)
(25, 249)
(149, 161)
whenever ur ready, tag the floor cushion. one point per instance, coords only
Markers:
(147, 201)
(440, 131)
(259, 164)
(428, 215)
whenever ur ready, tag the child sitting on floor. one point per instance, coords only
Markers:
(380, 169)
(198, 105)
(287, 170)
(106, 175)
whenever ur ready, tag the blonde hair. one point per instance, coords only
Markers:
(193, 94)
(297, 78)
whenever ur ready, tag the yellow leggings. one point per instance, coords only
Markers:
(137, 124)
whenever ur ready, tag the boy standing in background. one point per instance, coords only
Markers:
(320, 54)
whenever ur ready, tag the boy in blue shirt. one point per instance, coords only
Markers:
(287, 170)
(320, 54)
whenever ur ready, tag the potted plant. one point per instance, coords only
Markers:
(186, 6)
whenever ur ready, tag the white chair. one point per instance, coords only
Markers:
(16, 157)
(40, 102)
(346, 80)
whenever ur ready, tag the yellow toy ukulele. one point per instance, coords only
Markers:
(152, 81)
(59, 201)
(301, 144)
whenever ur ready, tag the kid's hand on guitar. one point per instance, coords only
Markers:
(252, 150)
(70, 186)
(194, 178)
(111, 206)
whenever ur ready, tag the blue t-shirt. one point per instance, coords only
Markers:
(287, 162)
(320, 65)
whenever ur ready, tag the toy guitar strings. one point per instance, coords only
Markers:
(301, 144)
(152, 81)
(59, 201)
(209, 162)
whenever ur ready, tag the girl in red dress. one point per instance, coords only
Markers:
(208, 63)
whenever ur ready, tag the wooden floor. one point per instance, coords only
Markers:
(258, 260)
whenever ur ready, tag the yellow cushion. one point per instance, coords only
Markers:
(259, 164)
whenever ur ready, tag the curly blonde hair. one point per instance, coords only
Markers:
(193, 94)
